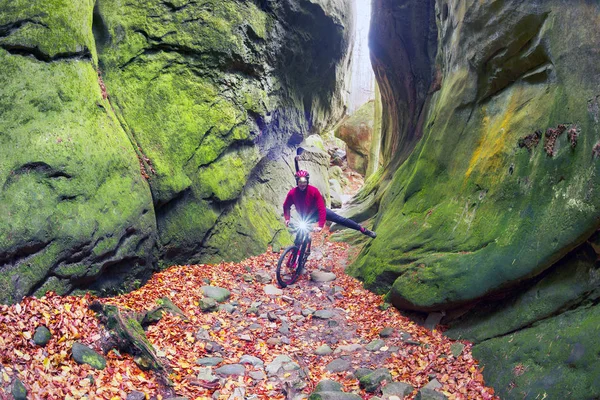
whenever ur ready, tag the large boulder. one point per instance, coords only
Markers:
(498, 182)
(75, 210)
(479, 206)
(208, 89)
(136, 134)
(357, 131)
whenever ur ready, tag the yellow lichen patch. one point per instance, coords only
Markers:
(495, 133)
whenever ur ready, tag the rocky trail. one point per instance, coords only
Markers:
(238, 336)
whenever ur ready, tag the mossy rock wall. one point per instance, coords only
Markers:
(74, 207)
(207, 90)
(133, 133)
(490, 213)
(472, 208)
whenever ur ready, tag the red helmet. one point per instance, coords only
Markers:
(302, 174)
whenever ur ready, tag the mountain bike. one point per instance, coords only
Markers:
(292, 261)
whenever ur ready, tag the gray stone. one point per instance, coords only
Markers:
(272, 290)
(231, 369)
(228, 308)
(328, 386)
(255, 361)
(338, 365)
(372, 381)
(457, 349)
(348, 348)
(291, 366)
(323, 350)
(208, 304)
(42, 336)
(239, 393)
(375, 345)
(323, 314)
(433, 319)
(263, 277)
(334, 396)
(284, 329)
(335, 193)
(209, 361)
(386, 332)
(362, 372)
(399, 389)
(255, 327)
(202, 334)
(429, 394)
(274, 341)
(322, 276)
(277, 364)
(213, 347)
(248, 278)
(217, 293)
(336, 290)
(257, 375)
(205, 374)
(19, 391)
(84, 355)
(135, 395)
(307, 311)
(433, 384)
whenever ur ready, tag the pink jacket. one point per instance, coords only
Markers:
(307, 203)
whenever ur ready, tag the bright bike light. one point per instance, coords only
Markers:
(303, 226)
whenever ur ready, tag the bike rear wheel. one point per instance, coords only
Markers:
(288, 266)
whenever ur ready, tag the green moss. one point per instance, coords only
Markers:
(64, 30)
(61, 193)
(56, 285)
(254, 99)
(225, 178)
(556, 358)
(469, 211)
(247, 230)
(19, 391)
(142, 24)
(570, 282)
(185, 225)
(94, 361)
(175, 97)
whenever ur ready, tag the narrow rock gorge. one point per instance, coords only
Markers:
(136, 135)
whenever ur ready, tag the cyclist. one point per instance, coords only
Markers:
(310, 205)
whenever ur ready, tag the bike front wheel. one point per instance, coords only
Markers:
(288, 266)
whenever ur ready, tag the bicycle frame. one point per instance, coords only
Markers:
(292, 261)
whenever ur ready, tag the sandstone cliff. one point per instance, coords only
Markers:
(135, 133)
(491, 111)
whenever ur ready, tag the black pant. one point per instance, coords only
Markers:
(338, 219)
